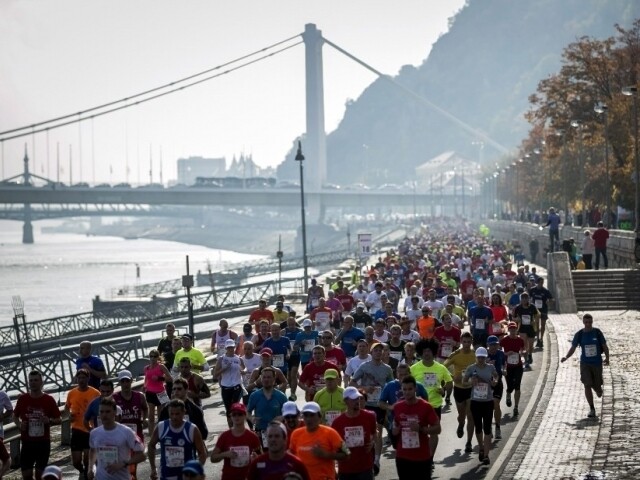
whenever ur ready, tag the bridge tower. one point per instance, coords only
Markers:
(315, 144)
(27, 227)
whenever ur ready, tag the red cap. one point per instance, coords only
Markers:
(238, 407)
(266, 352)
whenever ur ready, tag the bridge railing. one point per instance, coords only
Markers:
(58, 366)
(32, 332)
(243, 270)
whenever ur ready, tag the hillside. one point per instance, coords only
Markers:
(481, 71)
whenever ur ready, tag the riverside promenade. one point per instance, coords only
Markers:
(560, 442)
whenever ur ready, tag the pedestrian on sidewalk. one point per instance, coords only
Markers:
(588, 249)
(600, 237)
(593, 345)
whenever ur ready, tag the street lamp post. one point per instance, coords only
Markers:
(601, 108)
(632, 91)
(279, 254)
(300, 158)
(579, 126)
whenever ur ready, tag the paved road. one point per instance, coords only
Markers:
(451, 460)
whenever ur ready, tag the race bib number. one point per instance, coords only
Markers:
(513, 359)
(409, 438)
(163, 398)
(496, 328)
(278, 361)
(319, 384)
(174, 456)
(308, 345)
(108, 455)
(322, 321)
(374, 396)
(36, 427)
(526, 319)
(537, 303)
(481, 392)
(361, 326)
(480, 323)
(396, 355)
(590, 350)
(243, 458)
(246, 376)
(354, 436)
(446, 350)
(430, 379)
(292, 343)
(331, 415)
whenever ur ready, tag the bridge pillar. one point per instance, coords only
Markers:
(27, 227)
(315, 145)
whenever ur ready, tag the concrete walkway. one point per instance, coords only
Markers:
(560, 442)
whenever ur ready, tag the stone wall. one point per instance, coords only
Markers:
(619, 248)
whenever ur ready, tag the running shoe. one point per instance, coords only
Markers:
(460, 431)
(486, 461)
(468, 448)
(592, 413)
(293, 397)
(376, 469)
(515, 412)
(498, 433)
(508, 400)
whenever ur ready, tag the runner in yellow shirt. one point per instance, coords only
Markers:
(460, 360)
(435, 377)
(330, 397)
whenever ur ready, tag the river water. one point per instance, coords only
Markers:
(61, 272)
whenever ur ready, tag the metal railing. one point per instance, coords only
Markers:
(134, 313)
(58, 367)
(240, 271)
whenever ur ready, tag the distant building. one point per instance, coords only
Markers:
(192, 167)
(449, 173)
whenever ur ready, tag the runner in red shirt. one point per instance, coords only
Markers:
(236, 446)
(312, 377)
(513, 346)
(321, 316)
(261, 313)
(414, 419)
(357, 427)
(277, 462)
(466, 288)
(34, 414)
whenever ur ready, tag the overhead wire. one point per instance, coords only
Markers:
(146, 92)
(422, 99)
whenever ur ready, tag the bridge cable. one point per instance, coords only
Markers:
(141, 94)
(465, 126)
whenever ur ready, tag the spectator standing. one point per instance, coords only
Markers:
(92, 363)
(600, 238)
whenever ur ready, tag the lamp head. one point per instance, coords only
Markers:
(299, 155)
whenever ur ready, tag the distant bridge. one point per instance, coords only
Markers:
(230, 197)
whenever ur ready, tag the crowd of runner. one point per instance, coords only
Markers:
(444, 318)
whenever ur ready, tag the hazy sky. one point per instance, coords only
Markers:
(64, 56)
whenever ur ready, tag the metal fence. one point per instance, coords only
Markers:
(58, 366)
(240, 271)
(135, 313)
